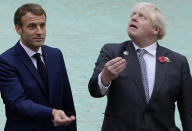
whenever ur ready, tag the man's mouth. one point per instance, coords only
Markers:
(133, 26)
(38, 39)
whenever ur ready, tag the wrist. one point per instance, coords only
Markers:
(53, 112)
(105, 81)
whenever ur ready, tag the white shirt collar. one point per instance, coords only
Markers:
(29, 51)
(150, 49)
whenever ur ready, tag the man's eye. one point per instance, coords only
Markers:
(42, 25)
(32, 26)
(142, 17)
(133, 14)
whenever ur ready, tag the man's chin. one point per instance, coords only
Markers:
(131, 34)
(39, 43)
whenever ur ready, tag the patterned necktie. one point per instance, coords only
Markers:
(41, 69)
(141, 52)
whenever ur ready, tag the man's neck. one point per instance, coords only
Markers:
(35, 49)
(143, 44)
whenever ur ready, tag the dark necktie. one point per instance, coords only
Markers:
(41, 69)
(141, 52)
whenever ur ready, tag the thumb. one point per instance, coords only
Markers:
(72, 118)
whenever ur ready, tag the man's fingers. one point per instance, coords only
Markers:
(116, 65)
(65, 120)
(60, 118)
(113, 61)
(72, 118)
(112, 69)
(120, 68)
(119, 63)
(69, 120)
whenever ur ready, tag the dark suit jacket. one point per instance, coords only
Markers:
(28, 104)
(127, 109)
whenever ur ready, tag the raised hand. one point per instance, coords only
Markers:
(112, 69)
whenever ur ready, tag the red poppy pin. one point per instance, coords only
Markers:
(163, 59)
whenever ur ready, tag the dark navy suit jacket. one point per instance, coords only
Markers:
(127, 109)
(28, 104)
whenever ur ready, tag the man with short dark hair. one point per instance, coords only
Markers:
(33, 79)
(143, 80)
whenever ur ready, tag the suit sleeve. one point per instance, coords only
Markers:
(15, 98)
(68, 103)
(185, 100)
(104, 56)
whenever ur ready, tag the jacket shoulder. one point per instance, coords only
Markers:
(116, 46)
(50, 49)
(175, 56)
(8, 54)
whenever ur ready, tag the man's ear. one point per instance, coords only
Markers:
(157, 30)
(18, 29)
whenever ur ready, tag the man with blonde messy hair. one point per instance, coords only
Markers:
(155, 16)
(143, 80)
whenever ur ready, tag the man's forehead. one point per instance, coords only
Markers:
(29, 15)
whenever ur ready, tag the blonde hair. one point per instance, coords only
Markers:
(156, 17)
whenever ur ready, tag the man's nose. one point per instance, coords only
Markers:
(134, 17)
(39, 30)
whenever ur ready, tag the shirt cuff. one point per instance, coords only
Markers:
(54, 123)
(103, 89)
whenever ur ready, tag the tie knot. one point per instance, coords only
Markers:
(37, 56)
(141, 51)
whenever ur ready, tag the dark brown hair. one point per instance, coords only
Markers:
(21, 11)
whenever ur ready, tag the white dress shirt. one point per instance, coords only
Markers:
(150, 60)
(30, 53)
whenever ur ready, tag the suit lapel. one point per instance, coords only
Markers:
(24, 58)
(160, 72)
(134, 67)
